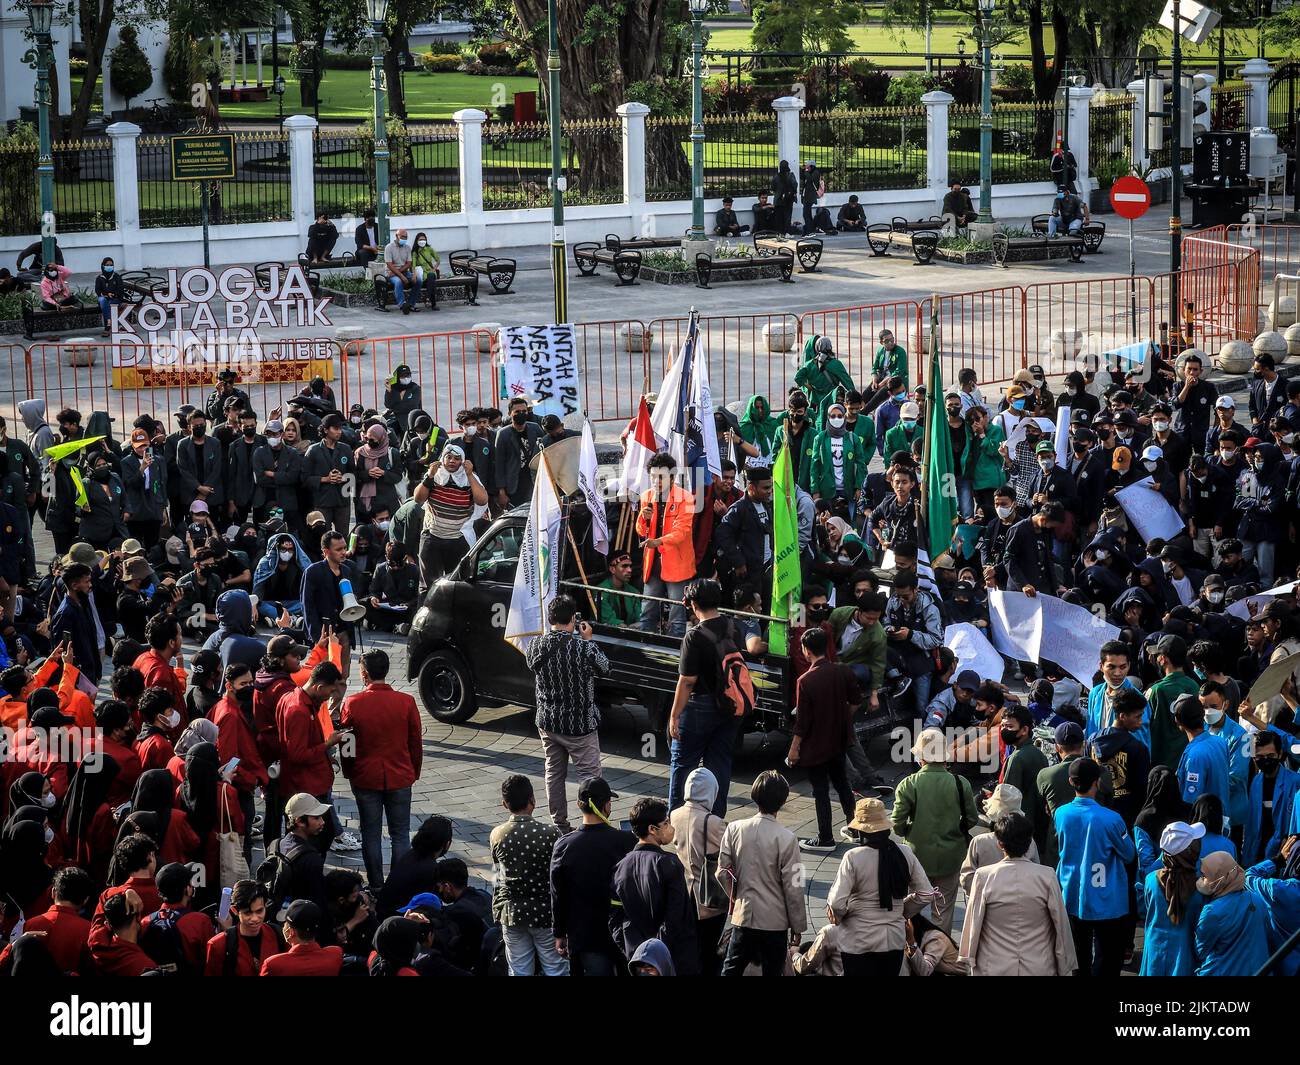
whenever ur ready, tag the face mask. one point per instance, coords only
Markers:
(48, 800)
(1080, 448)
(835, 423)
(1045, 464)
(173, 719)
(1018, 404)
(819, 612)
(404, 380)
(286, 556)
(1005, 512)
(909, 424)
(1255, 375)
(1168, 567)
(798, 415)
(355, 419)
(1160, 427)
(1101, 554)
(519, 417)
(49, 835)
(54, 274)
(250, 431)
(1228, 454)
(421, 243)
(1009, 736)
(1150, 464)
(1266, 765)
(1213, 717)
(199, 430)
(1258, 464)
(108, 268)
(382, 526)
(101, 474)
(470, 430)
(274, 441)
(401, 243)
(1126, 435)
(899, 398)
(1214, 597)
(244, 697)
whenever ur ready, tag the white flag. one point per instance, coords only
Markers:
(538, 573)
(683, 414)
(589, 484)
(641, 448)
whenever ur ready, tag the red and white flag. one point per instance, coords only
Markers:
(642, 445)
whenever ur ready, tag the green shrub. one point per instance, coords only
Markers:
(497, 54)
(906, 90)
(129, 71)
(441, 63)
(1018, 77)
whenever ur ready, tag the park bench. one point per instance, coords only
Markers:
(456, 287)
(616, 243)
(1003, 246)
(921, 225)
(1093, 233)
(262, 271)
(705, 264)
(808, 250)
(38, 319)
(335, 262)
(588, 255)
(920, 242)
(499, 272)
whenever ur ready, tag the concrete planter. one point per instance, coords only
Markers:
(351, 340)
(780, 337)
(748, 272)
(1235, 357)
(485, 336)
(348, 299)
(633, 338)
(11, 327)
(80, 351)
(967, 257)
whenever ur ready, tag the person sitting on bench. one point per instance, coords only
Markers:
(55, 293)
(424, 261)
(957, 202)
(109, 290)
(725, 222)
(322, 235)
(1068, 213)
(367, 237)
(764, 213)
(852, 218)
(397, 259)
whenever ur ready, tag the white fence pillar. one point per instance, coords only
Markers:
(1139, 153)
(633, 115)
(1080, 102)
(301, 133)
(470, 131)
(936, 103)
(787, 110)
(1256, 73)
(126, 192)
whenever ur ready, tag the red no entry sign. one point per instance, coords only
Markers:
(1130, 197)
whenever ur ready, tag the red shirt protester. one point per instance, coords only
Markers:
(305, 959)
(246, 962)
(154, 751)
(159, 673)
(235, 739)
(387, 738)
(304, 759)
(66, 935)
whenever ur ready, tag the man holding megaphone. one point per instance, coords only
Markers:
(328, 598)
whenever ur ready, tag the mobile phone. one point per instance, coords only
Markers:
(231, 766)
(223, 911)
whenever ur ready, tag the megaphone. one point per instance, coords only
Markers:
(352, 610)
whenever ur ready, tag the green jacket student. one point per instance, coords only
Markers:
(821, 372)
(891, 363)
(854, 458)
(981, 461)
(867, 648)
(617, 610)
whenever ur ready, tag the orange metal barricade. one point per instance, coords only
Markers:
(855, 332)
(984, 330)
(454, 370)
(1064, 320)
(741, 360)
(614, 362)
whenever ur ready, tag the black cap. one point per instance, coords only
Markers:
(593, 793)
(1080, 416)
(48, 716)
(1127, 418)
(304, 915)
(227, 375)
(1084, 773)
(1169, 644)
(205, 664)
(171, 880)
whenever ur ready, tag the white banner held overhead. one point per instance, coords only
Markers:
(1035, 628)
(1063, 438)
(541, 365)
(1244, 608)
(538, 574)
(974, 651)
(1149, 511)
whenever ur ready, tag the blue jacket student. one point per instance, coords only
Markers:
(1285, 785)
(1281, 897)
(1213, 843)
(1094, 849)
(1203, 769)
(236, 639)
(1231, 936)
(77, 623)
(1167, 948)
(1098, 719)
(1239, 747)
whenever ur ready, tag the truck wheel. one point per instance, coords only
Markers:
(446, 688)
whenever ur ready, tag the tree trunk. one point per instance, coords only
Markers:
(397, 43)
(96, 21)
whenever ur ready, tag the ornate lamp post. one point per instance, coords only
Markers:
(986, 112)
(559, 275)
(698, 10)
(377, 12)
(41, 14)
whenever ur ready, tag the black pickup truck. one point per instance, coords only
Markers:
(457, 648)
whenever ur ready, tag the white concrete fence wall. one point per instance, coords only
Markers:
(475, 227)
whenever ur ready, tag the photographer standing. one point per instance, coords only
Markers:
(565, 662)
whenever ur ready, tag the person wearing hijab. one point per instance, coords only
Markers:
(1207, 811)
(930, 951)
(133, 824)
(1164, 805)
(155, 793)
(1276, 883)
(30, 789)
(396, 942)
(1173, 905)
(698, 834)
(88, 826)
(1232, 929)
(871, 887)
(758, 429)
(200, 730)
(24, 876)
(377, 475)
(210, 804)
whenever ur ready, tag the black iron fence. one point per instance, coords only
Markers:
(1283, 98)
(740, 155)
(259, 191)
(83, 187)
(872, 148)
(1230, 106)
(1110, 135)
(424, 170)
(517, 163)
(1023, 138)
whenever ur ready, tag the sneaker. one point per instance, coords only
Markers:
(816, 845)
(346, 841)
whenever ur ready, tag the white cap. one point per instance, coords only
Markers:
(1179, 835)
(931, 746)
(1226, 403)
(910, 410)
(1152, 452)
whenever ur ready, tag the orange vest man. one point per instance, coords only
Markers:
(664, 523)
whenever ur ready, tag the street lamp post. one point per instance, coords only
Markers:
(986, 112)
(559, 274)
(377, 11)
(41, 14)
(277, 87)
(1176, 168)
(698, 10)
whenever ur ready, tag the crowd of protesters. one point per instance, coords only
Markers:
(190, 829)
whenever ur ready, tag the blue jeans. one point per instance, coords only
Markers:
(652, 610)
(270, 610)
(106, 308)
(373, 806)
(399, 290)
(1262, 553)
(706, 734)
(1054, 221)
(921, 693)
(965, 497)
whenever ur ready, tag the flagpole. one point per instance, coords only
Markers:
(929, 412)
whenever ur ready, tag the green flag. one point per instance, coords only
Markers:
(939, 492)
(787, 577)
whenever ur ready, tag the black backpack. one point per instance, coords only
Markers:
(276, 875)
(161, 940)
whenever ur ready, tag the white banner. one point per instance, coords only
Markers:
(538, 572)
(1149, 511)
(1244, 608)
(974, 651)
(1063, 438)
(541, 365)
(589, 485)
(1042, 627)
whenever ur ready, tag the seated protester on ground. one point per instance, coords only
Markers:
(117, 951)
(277, 580)
(1233, 567)
(394, 591)
(764, 213)
(618, 610)
(725, 222)
(957, 202)
(469, 911)
(200, 589)
(851, 217)
(1100, 574)
(234, 570)
(954, 706)
(840, 552)
(1185, 580)
(234, 639)
(135, 602)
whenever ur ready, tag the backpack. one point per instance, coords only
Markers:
(161, 940)
(276, 875)
(734, 687)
